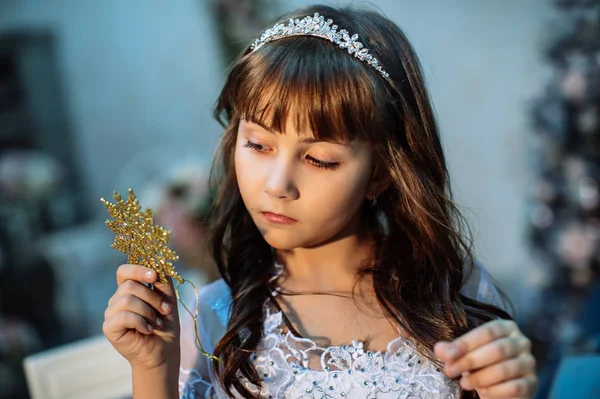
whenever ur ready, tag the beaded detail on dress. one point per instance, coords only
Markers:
(293, 367)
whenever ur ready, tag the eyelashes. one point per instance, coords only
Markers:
(312, 160)
(321, 164)
(255, 147)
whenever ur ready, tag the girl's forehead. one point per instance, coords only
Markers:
(289, 126)
(282, 126)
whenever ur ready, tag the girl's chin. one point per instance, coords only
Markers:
(281, 244)
(284, 242)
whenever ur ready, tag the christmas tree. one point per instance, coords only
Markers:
(564, 211)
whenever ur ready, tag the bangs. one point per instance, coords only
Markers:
(325, 91)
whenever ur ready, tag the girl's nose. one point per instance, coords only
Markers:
(280, 181)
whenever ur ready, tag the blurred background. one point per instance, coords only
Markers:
(98, 96)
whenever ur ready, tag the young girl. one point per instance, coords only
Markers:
(345, 274)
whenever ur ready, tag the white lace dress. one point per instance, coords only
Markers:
(292, 367)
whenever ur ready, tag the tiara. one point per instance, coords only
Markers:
(319, 27)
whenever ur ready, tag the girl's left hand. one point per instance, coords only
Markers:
(494, 359)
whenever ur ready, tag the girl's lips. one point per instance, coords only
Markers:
(279, 219)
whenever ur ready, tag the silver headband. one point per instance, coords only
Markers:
(319, 27)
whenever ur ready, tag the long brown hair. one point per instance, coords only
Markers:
(422, 251)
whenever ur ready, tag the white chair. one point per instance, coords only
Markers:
(90, 368)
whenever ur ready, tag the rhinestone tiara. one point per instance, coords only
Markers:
(319, 27)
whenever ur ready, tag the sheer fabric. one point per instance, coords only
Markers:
(293, 367)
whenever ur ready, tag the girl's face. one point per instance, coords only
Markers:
(301, 192)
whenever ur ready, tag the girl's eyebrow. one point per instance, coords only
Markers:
(265, 127)
(309, 140)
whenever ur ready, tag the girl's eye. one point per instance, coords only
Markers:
(322, 164)
(255, 147)
(314, 161)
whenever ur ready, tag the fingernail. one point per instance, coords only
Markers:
(164, 306)
(148, 274)
(150, 327)
(159, 322)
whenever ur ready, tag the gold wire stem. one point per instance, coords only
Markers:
(195, 317)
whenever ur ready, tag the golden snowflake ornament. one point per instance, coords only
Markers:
(144, 242)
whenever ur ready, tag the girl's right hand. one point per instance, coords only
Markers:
(143, 324)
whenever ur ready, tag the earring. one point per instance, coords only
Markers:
(374, 203)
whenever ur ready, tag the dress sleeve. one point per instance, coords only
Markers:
(195, 374)
(481, 287)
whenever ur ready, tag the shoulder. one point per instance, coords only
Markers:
(212, 309)
(215, 290)
(480, 285)
(215, 300)
(473, 276)
(212, 302)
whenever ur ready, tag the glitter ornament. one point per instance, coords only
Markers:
(139, 238)
(145, 244)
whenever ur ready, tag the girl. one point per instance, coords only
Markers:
(345, 273)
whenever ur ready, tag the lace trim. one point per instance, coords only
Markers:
(288, 367)
(293, 367)
(193, 386)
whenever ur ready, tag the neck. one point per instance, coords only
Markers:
(329, 267)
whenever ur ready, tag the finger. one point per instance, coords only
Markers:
(167, 290)
(523, 387)
(153, 298)
(131, 303)
(146, 275)
(135, 272)
(494, 352)
(115, 326)
(499, 372)
(484, 334)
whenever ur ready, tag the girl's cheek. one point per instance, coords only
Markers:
(249, 166)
